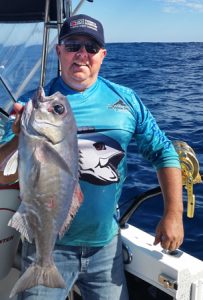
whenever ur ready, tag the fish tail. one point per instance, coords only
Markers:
(36, 275)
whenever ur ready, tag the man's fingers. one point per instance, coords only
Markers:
(167, 243)
(18, 107)
(157, 239)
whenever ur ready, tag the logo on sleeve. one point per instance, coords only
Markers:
(119, 106)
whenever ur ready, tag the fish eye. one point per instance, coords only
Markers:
(99, 146)
(59, 109)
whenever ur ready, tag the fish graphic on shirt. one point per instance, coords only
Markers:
(100, 156)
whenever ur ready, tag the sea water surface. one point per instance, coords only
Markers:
(168, 77)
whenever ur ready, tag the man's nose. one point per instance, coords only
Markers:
(82, 50)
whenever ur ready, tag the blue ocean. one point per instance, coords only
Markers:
(168, 77)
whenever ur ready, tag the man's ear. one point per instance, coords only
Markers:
(104, 53)
(58, 50)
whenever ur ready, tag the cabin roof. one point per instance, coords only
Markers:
(12, 11)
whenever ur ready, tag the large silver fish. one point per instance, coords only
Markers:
(48, 177)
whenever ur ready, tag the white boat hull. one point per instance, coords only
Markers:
(179, 275)
(9, 237)
(9, 240)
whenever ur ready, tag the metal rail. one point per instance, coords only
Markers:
(47, 25)
(138, 200)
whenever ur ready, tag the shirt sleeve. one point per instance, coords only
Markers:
(151, 141)
(8, 133)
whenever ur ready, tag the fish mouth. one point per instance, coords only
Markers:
(35, 103)
(39, 97)
(111, 161)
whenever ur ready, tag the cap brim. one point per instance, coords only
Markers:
(82, 33)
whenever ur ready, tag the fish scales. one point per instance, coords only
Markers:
(48, 177)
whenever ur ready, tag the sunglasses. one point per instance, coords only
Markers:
(74, 46)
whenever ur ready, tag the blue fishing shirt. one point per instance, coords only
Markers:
(108, 116)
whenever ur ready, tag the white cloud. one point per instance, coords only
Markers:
(195, 6)
(175, 1)
(171, 6)
(169, 9)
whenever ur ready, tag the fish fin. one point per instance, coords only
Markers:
(12, 164)
(20, 222)
(54, 156)
(36, 275)
(75, 205)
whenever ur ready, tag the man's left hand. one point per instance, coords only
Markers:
(170, 232)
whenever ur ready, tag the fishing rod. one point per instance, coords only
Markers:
(190, 175)
(3, 112)
(7, 89)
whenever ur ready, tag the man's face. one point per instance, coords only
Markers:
(79, 69)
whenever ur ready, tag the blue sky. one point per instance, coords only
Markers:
(148, 20)
(130, 21)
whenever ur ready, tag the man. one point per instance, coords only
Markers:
(107, 116)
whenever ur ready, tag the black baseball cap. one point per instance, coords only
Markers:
(83, 25)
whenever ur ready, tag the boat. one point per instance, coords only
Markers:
(151, 272)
